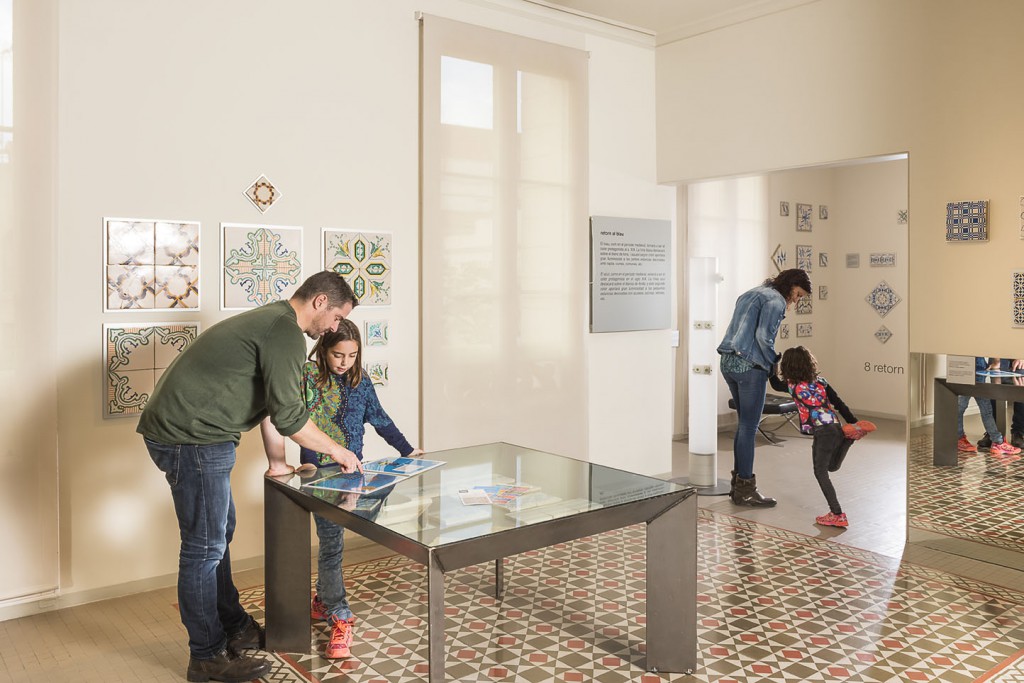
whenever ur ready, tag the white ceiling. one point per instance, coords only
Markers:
(675, 19)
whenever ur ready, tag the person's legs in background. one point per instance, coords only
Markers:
(748, 390)
(963, 444)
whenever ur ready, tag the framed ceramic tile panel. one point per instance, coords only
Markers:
(1018, 298)
(822, 259)
(822, 212)
(1022, 217)
(151, 264)
(822, 292)
(805, 305)
(260, 264)
(378, 373)
(784, 331)
(967, 221)
(883, 334)
(803, 218)
(853, 260)
(804, 329)
(375, 333)
(779, 258)
(882, 260)
(134, 357)
(882, 298)
(262, 193)
(804, 257)
(783, 208)
(902, 216)
(364, 259)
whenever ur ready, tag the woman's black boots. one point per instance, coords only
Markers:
(744, 492)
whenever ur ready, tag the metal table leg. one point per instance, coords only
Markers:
(499, 578)
(287, 572)
(672, 589)
(435, 619)
(944, 429)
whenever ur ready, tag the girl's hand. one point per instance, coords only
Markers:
(416, 451)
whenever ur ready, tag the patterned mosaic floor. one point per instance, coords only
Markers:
(773, 606)
(979, 499)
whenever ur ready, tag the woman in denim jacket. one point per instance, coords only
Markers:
(748, 355)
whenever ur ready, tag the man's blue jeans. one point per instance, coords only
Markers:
(747, 389)
(200, 481)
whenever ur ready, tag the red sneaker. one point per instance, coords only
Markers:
(965, 446)
(832, 519)
(317, 609)
(1003, 449)
(340, 643)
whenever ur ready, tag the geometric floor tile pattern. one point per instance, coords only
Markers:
(773, 606)
(978, 499)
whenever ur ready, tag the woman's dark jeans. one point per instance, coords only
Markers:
(747, 389)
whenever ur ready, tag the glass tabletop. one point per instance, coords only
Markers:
(481, 490)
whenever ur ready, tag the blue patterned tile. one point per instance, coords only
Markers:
(883, 334)
(967, 221)
(883, 299)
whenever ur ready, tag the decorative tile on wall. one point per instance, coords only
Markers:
(151, 264)
(134, 358)
(375, 333)
(804, 329)
(1022, 217)
(883, 334)
(822, 212)
(822, 292)
(779, 258)
(883, 299)
(822, 259)
(262, 263)
(364, 259)
(784, 331)
(262, 193)
(805, 305)
(377, 371)
(883, 260)
(804, 257)
(967, 221)
(901, 216)
(853, 260)
(1018, 298)
(803, 218)
(783, 208)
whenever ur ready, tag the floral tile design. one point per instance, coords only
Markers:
(967, 221)
(803, 218)
(134, 358)
(375, 333)
(784, 331)
(883, 299)
(804, 329)
(151, 264)
(262, 263)
(805, 305)
(883, 334)
(804, 256)
(262, 193)
(364, 259)
(779, 258)
(377, 371)
(882, 260)
(783, 208)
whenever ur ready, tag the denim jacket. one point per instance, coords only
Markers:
(755, 322)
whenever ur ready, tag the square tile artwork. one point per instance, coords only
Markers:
(1018, 298)
(883, 299)
(967, 221)
(262, 264)
(804, 257)
(377, 371)
(262, 193)
(375, 333)
(783, 208)
(853, 260)
(784, 331)
(822, 292)
(885, 260)
(822, 259)
(822, 212)
(134, 358)
(805, 305)
(1022, 217)
(804, 329)
(803, 218)
(902, 216)
(364, 259)
(151, 264)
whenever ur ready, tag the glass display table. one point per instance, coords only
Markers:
(944, 428)
(558, 499)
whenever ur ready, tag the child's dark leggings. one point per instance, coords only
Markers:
(829, 448)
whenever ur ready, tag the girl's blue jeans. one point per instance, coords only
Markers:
(988, 417)
(200, 481)
(747, 389)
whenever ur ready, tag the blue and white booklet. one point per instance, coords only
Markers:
(353, 482)
(403, 467)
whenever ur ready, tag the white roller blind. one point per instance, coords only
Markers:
(504, 240)
(28, 420)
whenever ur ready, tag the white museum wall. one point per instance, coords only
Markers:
(738, 220)
(855, 78)
(322, 97)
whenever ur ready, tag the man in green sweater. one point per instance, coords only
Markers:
(241, 372)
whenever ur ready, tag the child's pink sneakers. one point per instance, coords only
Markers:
(832, 519)
(964, 445)
(858, 429)
(1003, 448)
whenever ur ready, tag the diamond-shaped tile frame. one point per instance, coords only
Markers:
(883, 298)
(779, 258)
(883, 334)
(262, 193)
(967, 221)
